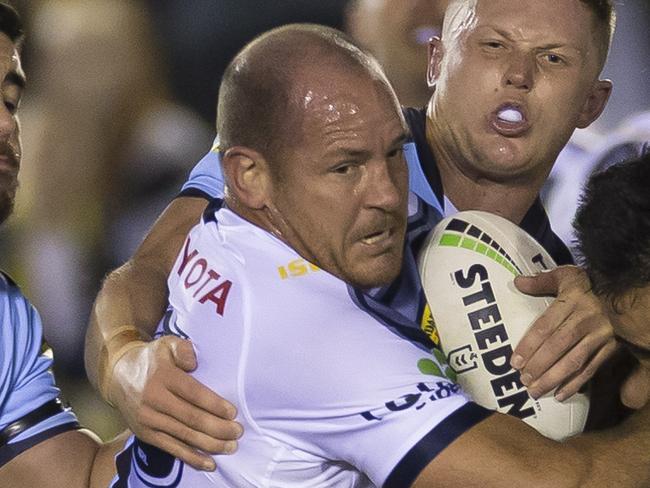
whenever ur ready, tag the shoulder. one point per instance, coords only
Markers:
(20, 324)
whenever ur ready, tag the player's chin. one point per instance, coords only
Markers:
(375, 271)
(508, 165)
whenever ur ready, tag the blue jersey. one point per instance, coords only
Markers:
(29, 408)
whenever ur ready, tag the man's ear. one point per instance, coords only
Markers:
(595, 103)
(435, 51)
(247, 176)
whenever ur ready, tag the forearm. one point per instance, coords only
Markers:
(620, 456)
(134, 294)
(504, 451)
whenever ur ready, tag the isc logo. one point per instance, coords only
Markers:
(297, 267)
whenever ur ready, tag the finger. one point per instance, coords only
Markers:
(553, 282)
(193, 391)
(182, 451)
(198, 419)
(183, 353)
(570, 388)
(571, 331)
(546, 324)
(541, 284)
(581, 333)
(575, 362)
(162, 423)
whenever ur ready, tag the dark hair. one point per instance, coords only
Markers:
(10, 23)
(605, 14)
(613, 227)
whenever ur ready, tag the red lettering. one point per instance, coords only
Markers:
(199, 262)
(212, 275)
(218, 296)
(186, 257)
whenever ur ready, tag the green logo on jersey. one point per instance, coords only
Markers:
(439, 367)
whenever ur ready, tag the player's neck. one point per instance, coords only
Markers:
(465, 193)
(468, 190)
(256, 217)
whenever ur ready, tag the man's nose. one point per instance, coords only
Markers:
(389, 185)
(520, 72)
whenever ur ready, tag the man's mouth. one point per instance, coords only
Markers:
(377, 237)
(509, 120)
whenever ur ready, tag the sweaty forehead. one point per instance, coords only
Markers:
(337, 111)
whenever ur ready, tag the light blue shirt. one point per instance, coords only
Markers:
(26, 380)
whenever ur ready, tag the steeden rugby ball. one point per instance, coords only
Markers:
(467, 266)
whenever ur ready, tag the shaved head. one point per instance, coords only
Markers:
(265, 89)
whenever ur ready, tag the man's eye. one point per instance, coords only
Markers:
(343, 169)
(553, 58)
(493, 44)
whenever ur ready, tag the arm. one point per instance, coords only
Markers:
(148, 381)
(73, 459)
(569, 342)
(503, 451)
(104, 469)
(63, 460)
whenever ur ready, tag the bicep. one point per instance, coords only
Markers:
(503, 451)
(136, 293)
(163, 242)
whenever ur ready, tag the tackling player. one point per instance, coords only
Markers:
(271, 289)
(41, 443)
(489, 138)
(613, 229)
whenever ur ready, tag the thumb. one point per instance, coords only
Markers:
(541, 284)
(183, 353)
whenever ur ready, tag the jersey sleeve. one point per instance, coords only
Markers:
(206, 178)
(26, 381)
(356, 392)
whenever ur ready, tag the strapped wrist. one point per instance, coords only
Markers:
(116, 344)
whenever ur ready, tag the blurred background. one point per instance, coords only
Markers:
(121, 102)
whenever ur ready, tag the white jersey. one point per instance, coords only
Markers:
(328, 396)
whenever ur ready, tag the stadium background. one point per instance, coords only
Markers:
(120, 104)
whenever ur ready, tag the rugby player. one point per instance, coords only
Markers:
(511, 82)
(613, 229)
(41, 442)
(329, 394)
